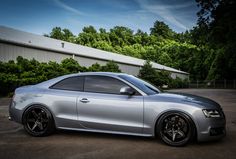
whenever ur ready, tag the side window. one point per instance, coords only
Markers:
(103, 84)
(71, 83)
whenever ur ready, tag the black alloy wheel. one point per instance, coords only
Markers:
(175, 129)
(38, 121)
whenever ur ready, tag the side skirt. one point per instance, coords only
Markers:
(108, 132)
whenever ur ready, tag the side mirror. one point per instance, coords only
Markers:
(127, 91)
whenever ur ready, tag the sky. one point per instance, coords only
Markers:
(40, 16)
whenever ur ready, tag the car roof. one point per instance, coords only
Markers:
(50, 82)
(101, 73)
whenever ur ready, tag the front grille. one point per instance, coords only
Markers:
(217, 131)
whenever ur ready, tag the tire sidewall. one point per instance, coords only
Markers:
(169, 142)
(50, 127)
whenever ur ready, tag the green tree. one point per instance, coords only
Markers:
(110, 66)
(88, 37)
(71, 65)
(89, 29)
(103, 45)
(61, 34)
(165, 59)
(206, 51)
(95, 67)
(161, 29)
(141, 38)
(219, 16)
(148, 73)
(121, 36)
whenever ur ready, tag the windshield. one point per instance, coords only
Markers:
(142, 85)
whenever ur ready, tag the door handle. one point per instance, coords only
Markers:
(84, 100)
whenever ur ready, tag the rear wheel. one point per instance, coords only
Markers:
(38, 121)
(175, 128)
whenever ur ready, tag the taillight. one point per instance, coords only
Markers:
(12, 100)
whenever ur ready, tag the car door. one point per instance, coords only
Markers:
(62, 99)
(101, 107)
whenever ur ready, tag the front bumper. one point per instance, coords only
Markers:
(211, 129)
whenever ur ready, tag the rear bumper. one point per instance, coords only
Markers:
(14, 114)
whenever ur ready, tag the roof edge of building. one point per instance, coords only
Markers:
(133, 61)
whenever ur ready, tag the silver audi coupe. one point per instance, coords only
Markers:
(115, 103)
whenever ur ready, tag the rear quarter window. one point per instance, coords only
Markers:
(71, 83)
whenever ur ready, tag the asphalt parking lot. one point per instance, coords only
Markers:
(16, 144)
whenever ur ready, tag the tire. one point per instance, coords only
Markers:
(175, 128)
(38, 121)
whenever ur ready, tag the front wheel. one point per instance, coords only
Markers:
(175, 128)
(38, 121)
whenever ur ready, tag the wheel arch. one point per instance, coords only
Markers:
(178, 111)
(36, 104)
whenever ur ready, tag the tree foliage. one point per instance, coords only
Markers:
(218, 17)
(160, 77)
(182, 51)
(28, 72)
(162, 30)
(61, 34)
(207, 51)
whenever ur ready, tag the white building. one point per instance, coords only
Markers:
(14, 43)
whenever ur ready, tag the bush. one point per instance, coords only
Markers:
(28, 72)
(95, 68)
(150, 74)
(178, 83)
(111, 66)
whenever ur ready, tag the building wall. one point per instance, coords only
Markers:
(181, 76)
(130, 69)
(84, 61)
(11, 52)
(133, 70)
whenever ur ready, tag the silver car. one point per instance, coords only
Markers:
(115, 103)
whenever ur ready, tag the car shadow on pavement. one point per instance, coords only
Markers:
(102, 135)
(130, 138)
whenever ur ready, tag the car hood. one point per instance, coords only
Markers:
(188, 99)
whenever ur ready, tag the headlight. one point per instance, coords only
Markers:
(211, 113)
